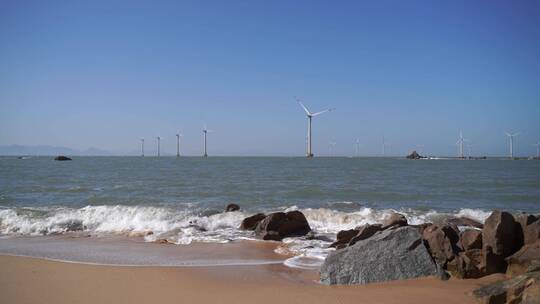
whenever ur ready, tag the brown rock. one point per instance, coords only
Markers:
(343, 237)
(250, 222)
(502, 234)
(531, 294)
(232, 207)
(464, 221)
(470, 239)
(468, 264)
(288, 224)
(394, 220)
(525, 260)
(441, 242)
(364, 232)
(531, 232)
(514, 290)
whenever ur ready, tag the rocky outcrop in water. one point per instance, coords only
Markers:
(232, 207)
(251, 222)
(62, 158)
(393, 254)
(415, 155)
(279, 225)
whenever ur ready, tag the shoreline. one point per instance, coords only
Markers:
(35, 280)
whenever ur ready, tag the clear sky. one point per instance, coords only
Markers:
(105, 73)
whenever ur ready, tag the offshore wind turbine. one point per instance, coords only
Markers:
(357, 147)
(142, 147)
(511, 137)
(310, 116)
(537, 150)
(384, 145)
(205, 132)
(178, 135)
(331, 146)
(459, 143)
(158, 144)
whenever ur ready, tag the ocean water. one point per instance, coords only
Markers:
(182, 199)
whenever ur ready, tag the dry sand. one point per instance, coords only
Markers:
(33, 280)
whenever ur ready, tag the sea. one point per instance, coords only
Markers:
(182, 200)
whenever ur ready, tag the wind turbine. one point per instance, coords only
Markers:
(158, 143)
(357, 147)
(205, 132)
(331, 146)
(310, 116)
(537, 150)
(142, 147)
(511, 137)
(178, 135)
(460, 144)
(384, 145)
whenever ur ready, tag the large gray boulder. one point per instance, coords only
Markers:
(388, 255)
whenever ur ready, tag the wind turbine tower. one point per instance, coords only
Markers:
(205, 132)
(158, 144)
(384, 145)
(310, 116)
(178, 143)
(537, 150)
(142, 147)
(331, 146)
(511, 137)
(460, 142)
(357, 147)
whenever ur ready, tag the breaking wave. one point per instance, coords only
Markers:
(186, 226)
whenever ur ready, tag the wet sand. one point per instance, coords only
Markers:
(34, 280)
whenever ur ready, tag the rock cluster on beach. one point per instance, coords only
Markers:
(461, 246)
(395, 250)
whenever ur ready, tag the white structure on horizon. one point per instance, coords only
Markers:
(310, 115)
(178, 135)
(537, 150)
(459, 143)
(158, 145)
(384, 145)
(511, 137)
(357, 145)
(205, 132)
(142, 147)
(331, 146)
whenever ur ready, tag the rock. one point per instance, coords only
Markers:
(470, 239)
(162, 241)
(364, 232)
(232, 207)
(343, 237)
(502, 234)
(250, 222)
(422, 227)
(62, 158)
(531, 294)
(468, 264)
(292, 223)
(464, 222)
(415, 155)
(441, 243)
(209, 212)
(394, 254)
(513, 290)
(394, 220)
(531, 232)
(525, 260)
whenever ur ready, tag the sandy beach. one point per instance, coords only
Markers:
(34, 280)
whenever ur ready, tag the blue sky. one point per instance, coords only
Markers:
(105, 73)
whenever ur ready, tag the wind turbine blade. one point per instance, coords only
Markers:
(508, 134)
(319, 113)
(304, 107)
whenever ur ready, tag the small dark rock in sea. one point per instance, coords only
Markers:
(415, 155)
(62, 158)
(232, 207)
(251, 222)
(501, 237)
(394, 254)
(279, 225)
(394, 220)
